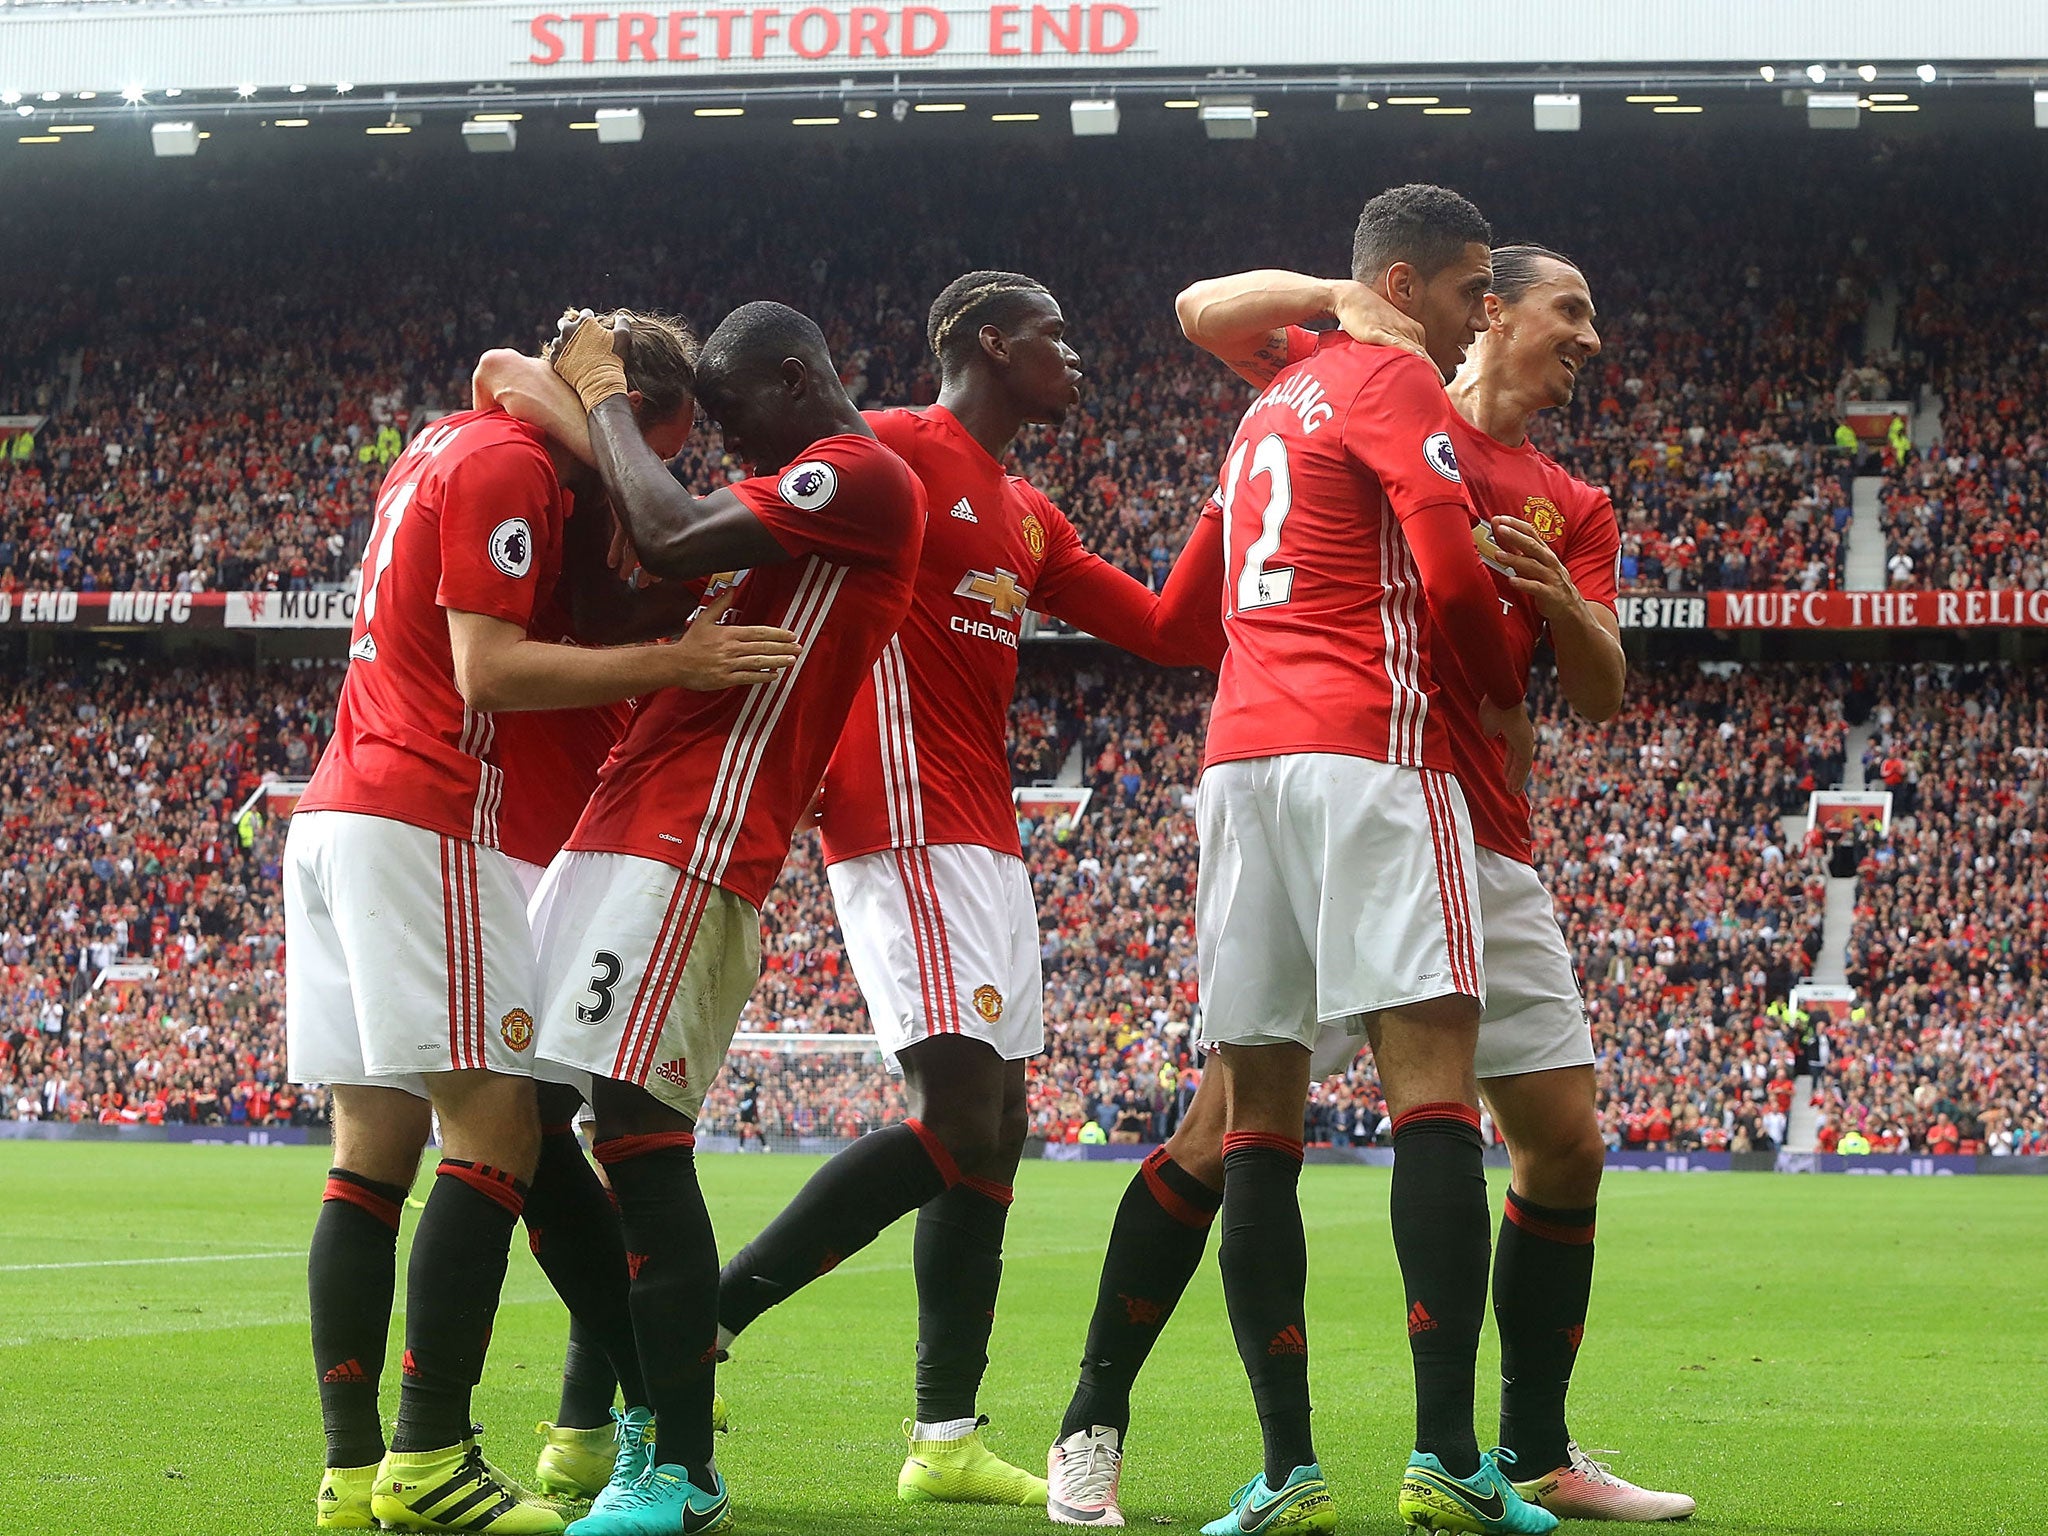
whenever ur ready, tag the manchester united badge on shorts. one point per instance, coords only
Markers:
(988, 1002)
(516, 1028)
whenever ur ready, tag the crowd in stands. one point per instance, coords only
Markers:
(141, 925)
(1690, 910)
(1948, 1049)
(218, 420)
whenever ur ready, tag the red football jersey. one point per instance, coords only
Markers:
(715, 783)
(1578, 522)
(469, 518)
(551, 758)
(925, 756)
(1345, 526)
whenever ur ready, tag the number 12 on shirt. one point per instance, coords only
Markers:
(1257, 585)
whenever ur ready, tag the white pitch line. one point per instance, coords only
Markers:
(189, 1258)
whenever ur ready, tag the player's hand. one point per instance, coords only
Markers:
(1367, 317)
(1534, 569)
(624, 559)
(1514, 728)
(711, 655)
(590, 358)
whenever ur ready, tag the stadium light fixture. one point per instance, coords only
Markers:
(1895, 106)
(1817, 73)
(342, 87)
(9, 98)
(53, 95)
(39, 138)
(380, 130)
(1926, 74)
(88, 95)
(1557, 113)
(176, 90)
(942, 106)
(589, 127)
(1833, 109)
(499, 117)
(245, 90)
(720, 112)
(1094, 119)
(24, 111)
(72, 128)
(1648, 101)
(1866, 72)
(292, 122)
(1678, 111)
(1355, 101)
(481, 138)
(862, 109)
(1230, 117)
(1413, 101)
(1188, 106)
(298, 90)
(1446, 111)
(620, 125)
(1014, 117)
(133, 94)
(814, 122)
(1769, 72)
(174, 141)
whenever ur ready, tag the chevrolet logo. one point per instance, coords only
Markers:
(1002, 594)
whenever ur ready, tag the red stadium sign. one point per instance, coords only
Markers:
(324, 609)
(1834, 610)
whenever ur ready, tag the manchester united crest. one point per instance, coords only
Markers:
(988, 1002)
(1034, 540)
(1542, 514)
(516, 1028)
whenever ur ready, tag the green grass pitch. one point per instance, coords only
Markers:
(1808, 1356)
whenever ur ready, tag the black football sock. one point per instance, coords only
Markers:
(673, 1259)
(842, 1209)
(350, 1274)
(1441, 1239)
(958, 1258)
(459, 1253)
(589, 1384)
(1265, 1283)
(573, 1229)
(1542, 1284)
(1155, 1247)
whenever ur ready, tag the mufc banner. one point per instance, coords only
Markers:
(327, 609)
(1834, 610)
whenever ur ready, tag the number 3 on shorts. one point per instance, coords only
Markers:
(605, 968)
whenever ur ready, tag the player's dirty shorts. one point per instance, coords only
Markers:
(644, 971)
(1535, 1018)
(1329, 887)
(944, 941)
(406, 952)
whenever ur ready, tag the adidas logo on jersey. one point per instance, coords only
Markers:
(964, 512)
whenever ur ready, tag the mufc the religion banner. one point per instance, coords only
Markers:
(1834, 610)
(325, 609)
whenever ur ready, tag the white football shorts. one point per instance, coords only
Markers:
(1330, 887)
(406, 953)
(644, 971)
(944, 941)
(1535, 1018)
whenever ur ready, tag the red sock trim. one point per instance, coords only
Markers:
(1461, 1114)
(1168, 1198)
(566, 1128)
(384, 1210)
(1244, 1141)
(989, 1189)
(492, 1183)
(616, 1149)
(1549, 1231)
(936, 1150)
